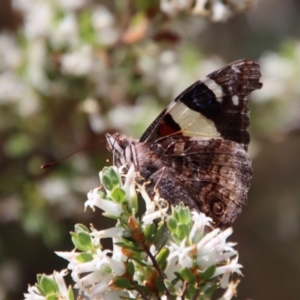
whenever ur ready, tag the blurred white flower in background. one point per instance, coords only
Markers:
(215, 10)
(72, 5)
(54, 189)
(275, 81)
(10, 54)
(172, 7)
(11, 87)
(65, 34)
(36, 65)
(38, 20)
(103, 22)
(78, 63)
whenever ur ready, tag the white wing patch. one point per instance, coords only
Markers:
(235, 100)
(191, 122)
(214, 87)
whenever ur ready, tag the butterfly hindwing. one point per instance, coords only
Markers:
(212, 175)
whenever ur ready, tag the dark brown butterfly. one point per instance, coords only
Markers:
(195, 151)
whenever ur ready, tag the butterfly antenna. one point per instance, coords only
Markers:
(50, 164)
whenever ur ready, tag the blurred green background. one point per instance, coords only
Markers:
(72, 70)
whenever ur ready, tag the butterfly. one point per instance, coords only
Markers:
(195, 151)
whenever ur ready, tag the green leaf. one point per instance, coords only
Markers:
(170, 286)
(38, 285)
(110, 178)
(123, 283)
(149, 232)
(107, 183)
(77, 243)
(48, 285)
(209, 272)
(178, 276)
(159, 233)
(80, 228)
(130, 268)
(182, 231)
(39, 277)
(187, 275)
(114, 176)
(133, 247)
(172, 224)
(70, 294)
(51, 297)
(159, 284)
(211, 289)
(176, 280)
(176, 239)
(139, 262)
(118, 195)
(191, 290)
(84, 257)
(162, 256)
(184, 215)
(85, 240)
(133, 204)
(145, 290)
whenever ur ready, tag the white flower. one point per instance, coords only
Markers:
(107, 233)
(213, 249)
(200, 221)
(58, 277)
(117, 250)
(226, 270)
(34, 294)
(231, 290)
(109, 207)
(158, 214)
(182, 254)
(78, 63)
(97, 273)
(172, 267)
(73, 262)
(100, 269)
(129, 186)
(104, 292)
(154, 209)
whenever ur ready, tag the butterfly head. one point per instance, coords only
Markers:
(122, 149)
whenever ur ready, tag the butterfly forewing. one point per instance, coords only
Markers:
(215, 106)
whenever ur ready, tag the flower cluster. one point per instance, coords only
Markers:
(166, 253)
(215, 10)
